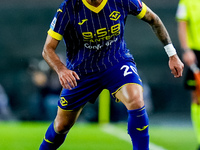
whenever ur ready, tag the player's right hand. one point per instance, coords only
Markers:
(176, 66)
(68, 78)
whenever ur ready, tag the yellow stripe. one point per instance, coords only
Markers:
(95, 9)
(142, 129)
(143, 12)
(55, 35)
(142, 109)
(59, 10)
(64, 109)
(113, 94)
(48, 141)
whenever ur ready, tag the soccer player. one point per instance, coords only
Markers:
(97, 59)
(189, 37)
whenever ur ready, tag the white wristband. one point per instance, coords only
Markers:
(170, 50)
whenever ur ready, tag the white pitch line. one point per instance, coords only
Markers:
(121, 134)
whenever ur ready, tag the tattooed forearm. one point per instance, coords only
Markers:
(161, 32)
(157, 26)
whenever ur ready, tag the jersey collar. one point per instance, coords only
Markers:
(95, 9)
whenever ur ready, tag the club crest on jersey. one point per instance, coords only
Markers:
(115, 15)
(63, 101)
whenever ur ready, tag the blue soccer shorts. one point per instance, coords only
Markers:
(89, 87)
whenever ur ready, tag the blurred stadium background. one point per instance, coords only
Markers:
(27, 97)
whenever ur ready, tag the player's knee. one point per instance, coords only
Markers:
(131, 96)
(134, 101)
(62, 127)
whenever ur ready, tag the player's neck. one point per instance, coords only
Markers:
(94, 3)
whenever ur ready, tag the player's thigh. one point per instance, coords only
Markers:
(131, 95)
(125, 84)
(65, 119)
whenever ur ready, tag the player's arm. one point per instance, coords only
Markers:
(67, 77)
(188, 55)
(175, 64)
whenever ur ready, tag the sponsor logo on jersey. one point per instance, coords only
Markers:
(102, 34)
(115, 15)
(63, 101)
(98, 46)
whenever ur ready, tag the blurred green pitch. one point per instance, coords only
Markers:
(28, 136)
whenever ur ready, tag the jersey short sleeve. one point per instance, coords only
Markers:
(181, 13)
(59, 22)
(137, 8)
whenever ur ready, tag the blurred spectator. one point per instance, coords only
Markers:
(5, 111)
(44, 100)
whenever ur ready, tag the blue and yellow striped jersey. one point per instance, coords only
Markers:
(94, 36)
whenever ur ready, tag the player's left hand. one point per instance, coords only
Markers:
(176, 66)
